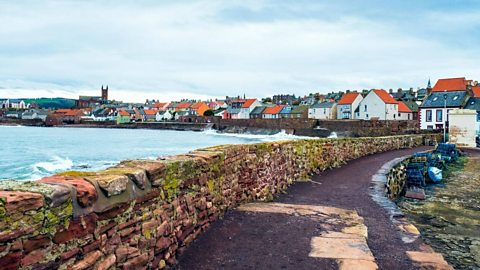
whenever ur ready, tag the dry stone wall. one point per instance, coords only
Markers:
(141, 213)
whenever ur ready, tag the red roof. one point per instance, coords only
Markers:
(68, 112)
(476, 91)
(451, 84)
(150, 112)
(183, 105)
(273, 110)
(198, 105)
(123, 113)
(402, 107)
(159, 105)
(384, 96)
(348, 98)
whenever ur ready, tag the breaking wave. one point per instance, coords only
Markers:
(281, 136)
(56, 164)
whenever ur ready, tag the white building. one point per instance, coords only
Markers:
(163, 116)
(433, 113)
(347, 105)
(324, 111)
(404, 112)
(462, 125)
(378, 104)
(241, 108)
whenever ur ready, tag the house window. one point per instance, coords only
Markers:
(478, 116)
(398, 114)
(439, 116)
(365, 107)
(429, 116)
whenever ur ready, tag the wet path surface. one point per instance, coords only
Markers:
(292, 232)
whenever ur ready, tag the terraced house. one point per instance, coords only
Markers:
(446, 95)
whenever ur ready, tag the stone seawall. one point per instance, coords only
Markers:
(142, 213)
(322, 128)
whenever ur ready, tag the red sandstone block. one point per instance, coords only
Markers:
(33, 257)
(21, 201)
(136, 263)
(92, 246)
(107, 262)
(69, 254)
(11, 261)
(122, 253)
(162, 244)
(34, 243)
(89, 260)
(86, 192)
(77, 229)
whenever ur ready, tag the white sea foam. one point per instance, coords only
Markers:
(281, 136)
(56, 164)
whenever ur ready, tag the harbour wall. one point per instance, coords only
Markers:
(143, 213)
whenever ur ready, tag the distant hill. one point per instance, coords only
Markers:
(54, 103)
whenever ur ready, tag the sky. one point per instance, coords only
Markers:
(169, 50)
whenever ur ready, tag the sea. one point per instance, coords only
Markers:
(30, 153)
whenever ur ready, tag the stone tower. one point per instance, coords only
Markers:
(105, 93)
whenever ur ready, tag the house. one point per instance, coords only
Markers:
(473, 103)
(198, 108)
(300, 111)
(347, 105)
(378, 104)
(323, 110)
(35, 114)
(149, 115)
(216, 105)
(404, 112)
(182, 106)
(220, 112)
(257, 112)
(172, 106)
(160, 106)
(69, 116)
(241, 108)
(285, 99)
(123, 116)
(272, 112)
(163, 116)
(413, 106)
(13, 114)
(4, 103)
(434, 110)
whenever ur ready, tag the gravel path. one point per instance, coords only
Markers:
(263, 240)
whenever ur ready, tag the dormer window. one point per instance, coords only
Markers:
(455, 97)
(435, 98)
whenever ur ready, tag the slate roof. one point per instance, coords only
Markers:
(473, 104)
(412, 105)
(299, 109)
(258, 110)
(436, 99)
(322, 105)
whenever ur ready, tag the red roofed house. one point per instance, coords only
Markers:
(183, 106)
(404, 112)
(348, 104)
(149, 115)
(198, 108)
(272, 112)
(378, 104)
(160, 106)
(451, 84)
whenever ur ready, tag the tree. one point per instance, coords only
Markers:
(208, 113)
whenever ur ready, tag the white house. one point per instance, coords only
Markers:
(433, 113)
(241, 108)
(17, 104)
(378, 104)
(324, 111)
(474, 104)
(163, 116)
(35, 114)
(348, 104)
(4, 103)
(404, 112)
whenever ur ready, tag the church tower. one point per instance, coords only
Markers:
(105, 94)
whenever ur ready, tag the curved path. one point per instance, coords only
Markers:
(285, 234)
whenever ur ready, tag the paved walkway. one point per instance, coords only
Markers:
(322, 224)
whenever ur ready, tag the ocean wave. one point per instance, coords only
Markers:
(56, 164)
(280, 136)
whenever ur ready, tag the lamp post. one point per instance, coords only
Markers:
(445, 116)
